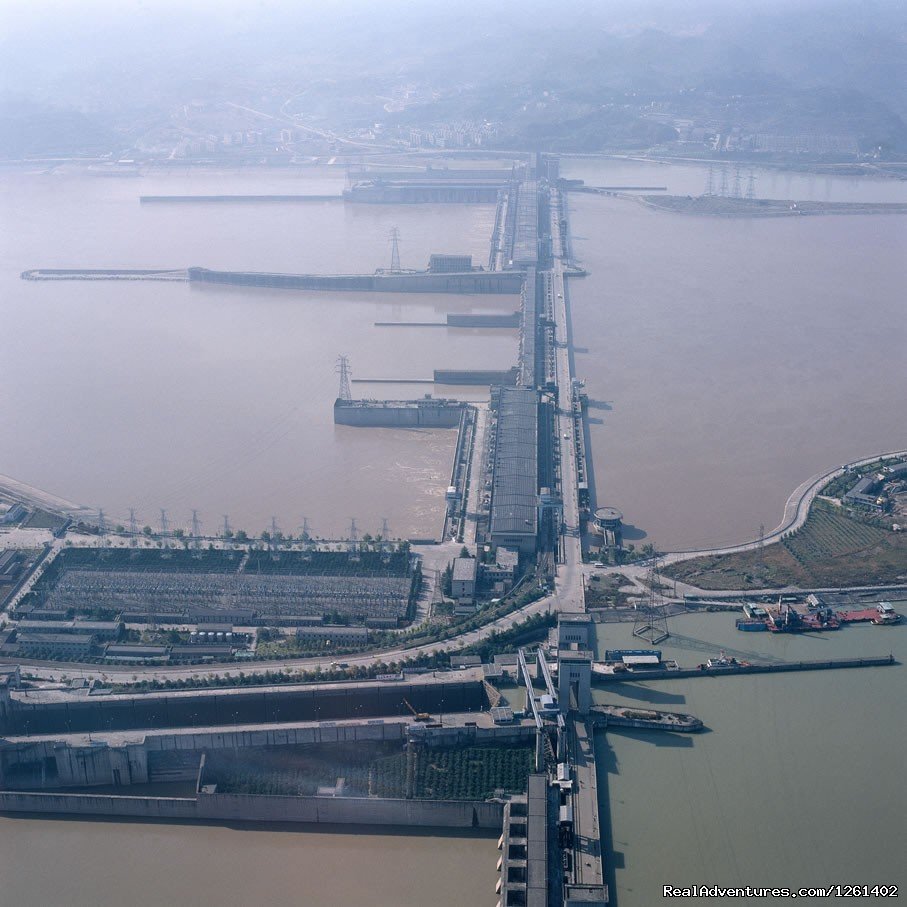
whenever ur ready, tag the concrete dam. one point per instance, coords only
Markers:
(462, 283)
(382, 282)
(427, 413)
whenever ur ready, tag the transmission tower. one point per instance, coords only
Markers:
(751, 186)
(710, 182)
(102, 523)
(395, 251)
(227, 530)
(305, 535)
(133, 523)
(354, 540)
(651, 622)
(164, 523)
(196, 530)
(737, 179)
(385, 542)
(343, 369)
(724, 189)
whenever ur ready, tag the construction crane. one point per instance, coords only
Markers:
(419, 716)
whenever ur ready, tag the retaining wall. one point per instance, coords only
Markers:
(252, 808)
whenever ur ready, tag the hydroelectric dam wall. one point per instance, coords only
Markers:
(464, 283)
(265, 808)
(398, 413)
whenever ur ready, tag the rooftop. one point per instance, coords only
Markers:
(464, 569)
(514, 497)
(54, 639)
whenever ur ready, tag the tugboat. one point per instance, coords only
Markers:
(886, 615)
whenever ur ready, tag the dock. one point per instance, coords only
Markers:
(104, 274)
(234, 199)
(602, 675)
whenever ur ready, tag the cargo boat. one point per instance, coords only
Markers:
(751, 624)
(882, 615)
(788, 620)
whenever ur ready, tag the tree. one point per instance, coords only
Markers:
(179, 533)
(146, 530)
(241, 535)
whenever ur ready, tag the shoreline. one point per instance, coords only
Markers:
(715, 206)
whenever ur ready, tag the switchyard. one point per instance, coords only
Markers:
(258, 587)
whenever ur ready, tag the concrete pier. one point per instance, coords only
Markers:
(586, 882)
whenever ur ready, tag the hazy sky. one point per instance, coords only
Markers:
(112, 58)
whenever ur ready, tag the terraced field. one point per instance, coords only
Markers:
(830, 535)
(830, 549)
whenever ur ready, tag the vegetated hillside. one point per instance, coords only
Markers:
(584, 76)
(831, 549)
(34, 131)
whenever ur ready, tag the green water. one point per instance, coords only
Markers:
(798, 781)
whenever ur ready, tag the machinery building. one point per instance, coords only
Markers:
(514, 484)
(54, 645)
(609, 522)
(439, 263)
(9, 566)
(574, 631)
(463, 580)
(501, 575)
(99, 629)
(333, 637)
(574, 681)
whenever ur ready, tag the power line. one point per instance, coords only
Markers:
(343, 369)
(651, 621)
(395, 251)
(751, 186)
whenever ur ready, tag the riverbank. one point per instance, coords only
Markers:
(719, 206)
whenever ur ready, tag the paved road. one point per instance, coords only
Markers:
(37, 497)
(569, 581)
(796, 511)
(569, 575)
(127, 673)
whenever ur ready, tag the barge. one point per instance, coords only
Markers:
(882, 615)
